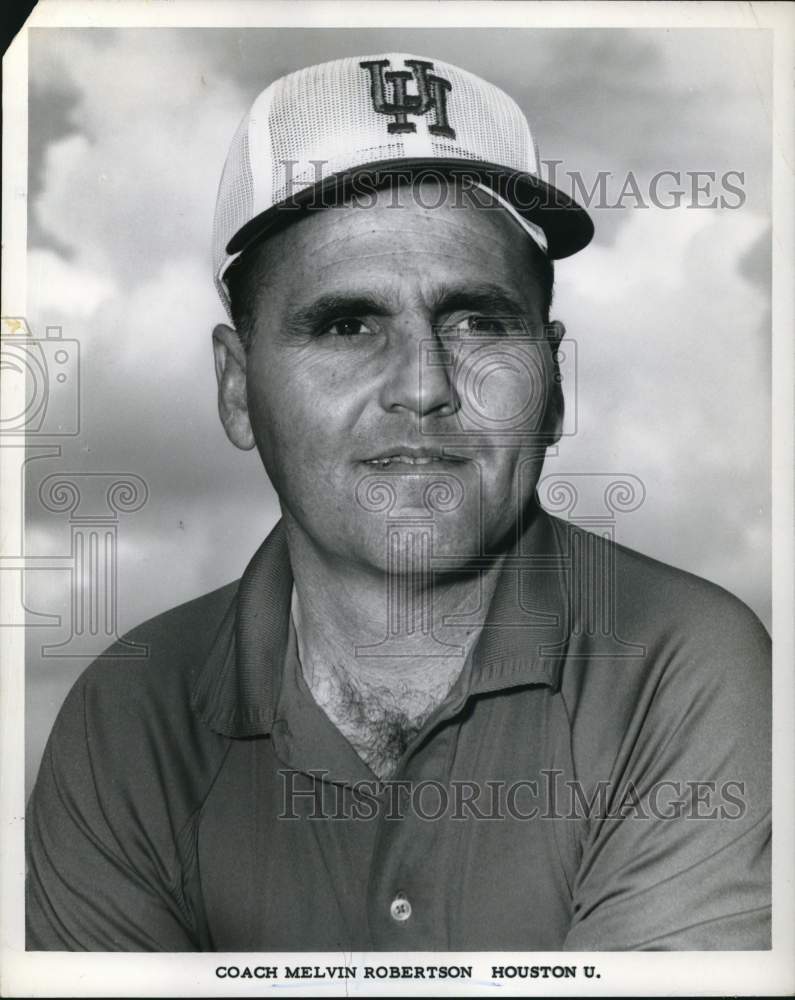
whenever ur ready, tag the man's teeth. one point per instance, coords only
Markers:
(407, 459)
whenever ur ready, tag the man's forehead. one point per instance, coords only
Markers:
(365, 271)
(401, 247)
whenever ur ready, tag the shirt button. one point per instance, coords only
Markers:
(400, 909)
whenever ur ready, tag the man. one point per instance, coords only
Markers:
(430, 715)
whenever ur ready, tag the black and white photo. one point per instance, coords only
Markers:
(393, 410)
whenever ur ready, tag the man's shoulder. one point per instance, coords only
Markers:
(126, 767)
(685, 609)
(658, 600)
(126, 732)
(661, 662)
(641, 630)
(170, 651)
(193, 623)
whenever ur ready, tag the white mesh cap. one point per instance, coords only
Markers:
(312, 135)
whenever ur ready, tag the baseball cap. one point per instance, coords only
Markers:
(315, 136)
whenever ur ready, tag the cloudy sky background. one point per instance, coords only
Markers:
(670, 310)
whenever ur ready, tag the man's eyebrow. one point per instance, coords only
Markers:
(331, 305)
(485, 297)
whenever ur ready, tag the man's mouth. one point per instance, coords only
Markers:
(414, 456)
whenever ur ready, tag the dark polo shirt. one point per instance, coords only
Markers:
(598, 778)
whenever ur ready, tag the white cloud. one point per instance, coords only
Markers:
(673, 386)
(60, 289)
(136, 184)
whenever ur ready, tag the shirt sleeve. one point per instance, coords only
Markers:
(680, 856)
(92, 886)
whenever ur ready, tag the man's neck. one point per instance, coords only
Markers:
(380, 655)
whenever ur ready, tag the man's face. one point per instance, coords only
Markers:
(398, 373)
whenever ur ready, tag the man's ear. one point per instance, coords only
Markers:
(555, 331)
(230, 371)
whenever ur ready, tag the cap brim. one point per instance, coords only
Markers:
(567, 225)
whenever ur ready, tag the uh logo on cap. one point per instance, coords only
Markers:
(431, 95)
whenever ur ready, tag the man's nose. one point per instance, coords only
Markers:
(420, 376)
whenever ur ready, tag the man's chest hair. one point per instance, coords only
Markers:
(378, 720)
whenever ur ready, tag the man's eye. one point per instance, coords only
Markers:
(347, 327)
(475, 325)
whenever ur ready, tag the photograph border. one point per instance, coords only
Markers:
(650, 973)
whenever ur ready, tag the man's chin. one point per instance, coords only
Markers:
(412, 542)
